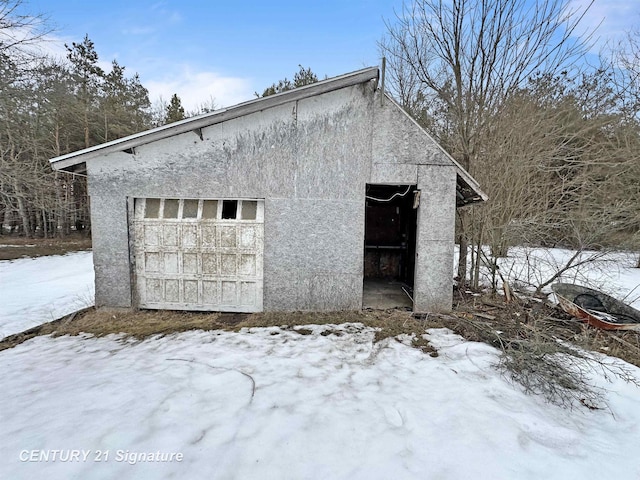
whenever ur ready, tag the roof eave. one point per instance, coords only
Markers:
(469, 188)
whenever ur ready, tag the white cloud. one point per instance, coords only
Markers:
(192, 86)
(196, 87)
(29, 40)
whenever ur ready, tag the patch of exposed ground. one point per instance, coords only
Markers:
(146, 323)
(14, 247)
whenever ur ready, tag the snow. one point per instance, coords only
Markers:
(610, 272)
(270, 403)
(39, 290)
(330, 406)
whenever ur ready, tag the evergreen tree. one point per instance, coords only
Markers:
(302, 77)
(88, 77)
(125, 104)
(175, 110)
(139, 103)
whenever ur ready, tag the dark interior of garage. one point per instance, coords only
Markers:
(390, 236)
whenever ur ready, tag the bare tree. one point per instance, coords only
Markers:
(206, 106)
(458, 61)
(624, 62)
(20, 29)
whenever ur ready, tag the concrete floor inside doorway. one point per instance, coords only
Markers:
(384, 294)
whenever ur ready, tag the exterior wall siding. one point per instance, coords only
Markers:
(310, 161)
(433, 288)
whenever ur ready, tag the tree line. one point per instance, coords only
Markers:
(51, 106)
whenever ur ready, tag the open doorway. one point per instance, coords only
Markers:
(389, 246)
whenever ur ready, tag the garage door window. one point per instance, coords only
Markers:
(152, 209)
(191, 209)
(229, 209)
(249, 208)
(209, 209)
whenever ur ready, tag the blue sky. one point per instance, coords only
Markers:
(226, 49)
(229, 49)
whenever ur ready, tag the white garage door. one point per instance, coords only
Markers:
(199, 254)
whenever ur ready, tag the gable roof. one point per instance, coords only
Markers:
(468, 191)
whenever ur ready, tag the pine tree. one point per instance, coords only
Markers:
(88, 77)
(302, 77)
(175, 110)
(124, 104)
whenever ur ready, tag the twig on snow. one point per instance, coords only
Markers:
(253, 382)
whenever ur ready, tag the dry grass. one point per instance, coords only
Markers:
(146, 323)
(531, 335)
(13, 247)
(519, 322)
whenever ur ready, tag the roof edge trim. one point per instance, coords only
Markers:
(464, 175)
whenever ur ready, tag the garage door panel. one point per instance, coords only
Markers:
(247, 265)
(210, 292)
(190, 263)
(171, 291)
(247, 237)
(228, 265)
(208, 235)
(229, 293)
(191, 291)
(248, 292)
(210, 263)
(189, 236)
(152, 262)
(170, 262)
(170, 235)
(151, 235)
(196, 260)
(153, 289)
(228, 236)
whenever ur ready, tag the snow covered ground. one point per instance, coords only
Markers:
(39, 290)
(271, 403)
(274, 404)
(610, 272)
(613, 273)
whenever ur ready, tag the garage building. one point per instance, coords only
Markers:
(296, 201)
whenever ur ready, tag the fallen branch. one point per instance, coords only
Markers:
(253, 382)
(622, 341)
